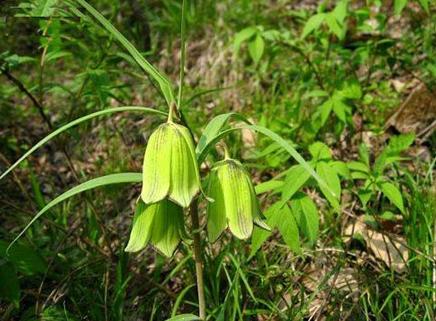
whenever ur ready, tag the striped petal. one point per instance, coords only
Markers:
(168, 227)
(156, 168)
(216, 215)
(141, 227)
(237, 196)
(185, 179)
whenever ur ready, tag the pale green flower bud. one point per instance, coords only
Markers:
(235, 203)
(170, 166)
(160, 223)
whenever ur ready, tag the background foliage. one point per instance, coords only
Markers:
(326, 75)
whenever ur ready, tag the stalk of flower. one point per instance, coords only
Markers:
(235, 203)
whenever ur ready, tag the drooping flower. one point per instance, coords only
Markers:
(160, 223)
(170, 167)
(235, 203)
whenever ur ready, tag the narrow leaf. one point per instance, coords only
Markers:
(76, 122)
(163, 82)
(91, 184)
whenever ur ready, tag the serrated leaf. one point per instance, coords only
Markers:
(393, 194)
(313, 23)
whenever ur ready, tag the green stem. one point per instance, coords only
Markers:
(193, 210)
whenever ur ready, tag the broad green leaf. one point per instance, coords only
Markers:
(261, 235)
(340, 168)
(390, 154)
(163, 82)
(291, 150)
(333, 25)
(326, 109)
(399, 6)
(365, 193)
(74, 123)
(340, 109)
(340, 11)
(25, 258)
(9, 285)
(364, 154)
(359, 167)
(242, 36)
(393, 194)
(306, 215)
(91, 184)
(288, 228)
(297, 176)
(271, 185)
(256, 48)
(313, 23)
(424, 4)
(331, 178)
(184, 317)
(320, 151)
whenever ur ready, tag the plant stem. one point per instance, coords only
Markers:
(193, 210)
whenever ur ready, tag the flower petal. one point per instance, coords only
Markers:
(216, 212)
(156, 168)
(237, 195)
(141, 227)
(167, 227)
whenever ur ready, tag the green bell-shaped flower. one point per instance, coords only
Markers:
(235, 203)
(160, 223)
(170, 166)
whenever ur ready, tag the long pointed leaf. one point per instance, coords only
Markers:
(291, 150)
(91, 184)
(163, 82)
(74, 123)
